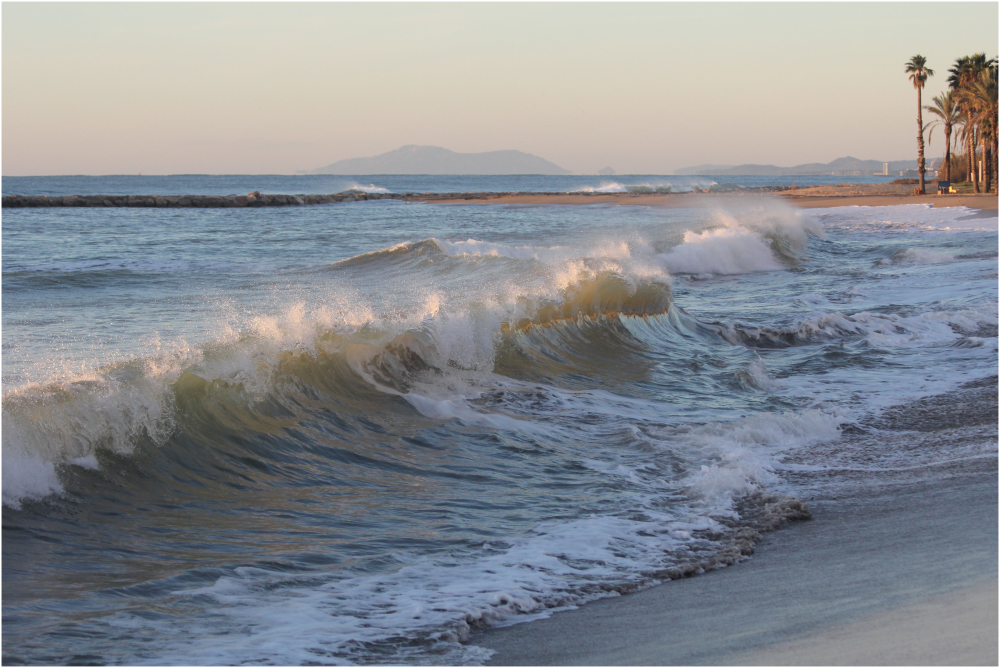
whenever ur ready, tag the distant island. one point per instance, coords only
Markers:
(436, 160)
(840, 167)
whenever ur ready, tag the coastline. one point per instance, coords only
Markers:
(888, 572)
(815, 196)
(284, 615)
(801, 198)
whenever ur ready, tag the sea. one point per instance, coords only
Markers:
(355, 433)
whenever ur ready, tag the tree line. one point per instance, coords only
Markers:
(968, 109)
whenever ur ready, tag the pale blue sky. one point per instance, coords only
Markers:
(644, 87)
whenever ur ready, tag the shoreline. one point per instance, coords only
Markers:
(984, 202)
(816, 196)
(814, 593)
(888, 572)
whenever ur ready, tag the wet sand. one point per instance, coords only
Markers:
(829, 197)
(957, 628)
(895, 568)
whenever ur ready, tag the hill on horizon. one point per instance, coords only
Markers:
(840, 166)
(413, 159)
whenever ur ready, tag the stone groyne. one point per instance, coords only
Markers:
(254, 199)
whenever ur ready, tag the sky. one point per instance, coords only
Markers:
(645, 88)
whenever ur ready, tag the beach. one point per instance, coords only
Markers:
(887, 572)
(813, 197)
(869, 581)
(878, 576)
(380, 431)
(823, 196)
(398, 334)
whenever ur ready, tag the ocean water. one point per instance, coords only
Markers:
(350, 433)
(201, 184)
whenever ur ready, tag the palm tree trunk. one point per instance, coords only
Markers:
(968, 155)
(947, 153)
(993, 160)
(987, 166)
(920, 141)
(991, 166)
(973, 166)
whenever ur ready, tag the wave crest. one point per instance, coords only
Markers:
(606, 294)
(766, 236)
(241, 381)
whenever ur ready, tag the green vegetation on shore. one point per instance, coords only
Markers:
(969, 110)
(918, 71)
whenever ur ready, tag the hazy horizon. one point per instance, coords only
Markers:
(166, 88)
(368, 173)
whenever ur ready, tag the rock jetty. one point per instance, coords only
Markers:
(253, 199)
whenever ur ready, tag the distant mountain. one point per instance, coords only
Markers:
(435, 160)
(840, 167)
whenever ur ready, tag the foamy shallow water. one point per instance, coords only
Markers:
(349, 433)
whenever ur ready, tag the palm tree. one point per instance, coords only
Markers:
(964, 75)
(945, 107)
(981, 98)
(918, 71)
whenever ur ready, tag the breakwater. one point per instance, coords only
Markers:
(254, 199)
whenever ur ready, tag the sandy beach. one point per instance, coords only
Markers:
(908, 578)
(875, 579)
(897, 574)
(895, 568)
(409, 482)
(818, 196)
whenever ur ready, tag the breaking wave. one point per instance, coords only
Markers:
(768, 237)
(661, 187)
(362, 460)
(935, 326)
(68, 422)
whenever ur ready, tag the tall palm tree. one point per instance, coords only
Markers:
(918, 71)
(964, 75)
(945, 107)
(982, 100)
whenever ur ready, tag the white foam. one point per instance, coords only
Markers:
(757, 375)
(27, 476)
(447, 409)
(67, 418)
(916, 256)
(933, 350)
(940, 324)
(906, 218)
(370, 188)
(605, 187)
(438, 599)
(744, 453)
(597, 250)
(475, 247)
(659, 186)
(672, 480)
(45, 426)
(720, 251)
(743, 238)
